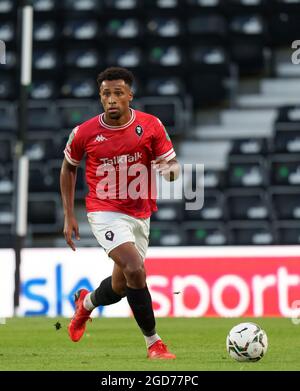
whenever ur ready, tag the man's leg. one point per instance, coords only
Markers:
(130, 262)
(111, 290)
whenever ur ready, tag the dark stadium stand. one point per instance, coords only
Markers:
(188, 56)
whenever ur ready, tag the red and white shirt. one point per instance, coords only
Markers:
(118, 162)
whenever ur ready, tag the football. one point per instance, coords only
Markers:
(247, 342)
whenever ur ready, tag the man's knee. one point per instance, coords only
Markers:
(135, 276)
(125, 253)
(130, 262)
(134, 271)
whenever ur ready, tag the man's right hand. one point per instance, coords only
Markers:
(71, 226)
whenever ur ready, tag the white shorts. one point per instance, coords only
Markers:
(113, 228)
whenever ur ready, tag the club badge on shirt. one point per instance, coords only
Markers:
(139, 130)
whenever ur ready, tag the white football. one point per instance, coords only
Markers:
(247, 342)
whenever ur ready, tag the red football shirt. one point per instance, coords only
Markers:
(118, 162)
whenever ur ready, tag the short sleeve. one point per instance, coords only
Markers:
(162, 144)
(74, 150)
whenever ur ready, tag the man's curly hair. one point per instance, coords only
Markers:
(115, 73)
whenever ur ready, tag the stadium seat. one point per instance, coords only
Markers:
(166, 234)
(169, 211)
(203, 58)
(7, 218)
(287, 116)
(130, 57)
(123, 28)
(170, 5)
(41, 146)
(248, 55)
(251, 233)
(283, 26)
(7, 7)
(203, 233)
(164, 27)
(43, 90)
(165, 56)
(8, 115)
(247, 172)
(247, 204)
(73, 113)
(6, 179)
(7, 239)
(83, 58)
(7, 87)
(82, 6)
(249, 146)
(286, 202)
(36, 178)
(210, 66)
(7, 32)
(43, 116)
(45, 60)
(194, 4)
(6, 147)
(288, 232)
(247, 41)
(207, 89)
(285, 170)
(52, 178)
(168, 109)
(165, 86)
(209, 27)
(287, 141)
(44, 219)
(247, 25)
(244, 5)
(122, 5)
(213, 179)
(77, 85)
(213, 208)
(11, 65)
(45, 7)
(81, 29)
(45, 32)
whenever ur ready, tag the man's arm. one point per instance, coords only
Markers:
(68, 175)
(170, 170)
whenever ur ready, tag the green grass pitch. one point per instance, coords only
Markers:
(33, 344)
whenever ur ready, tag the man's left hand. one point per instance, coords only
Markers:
(169, 169)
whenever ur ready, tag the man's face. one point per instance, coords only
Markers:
(115, 96)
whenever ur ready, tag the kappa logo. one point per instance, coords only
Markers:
(109, 235)
(100, 138)
(139, 130)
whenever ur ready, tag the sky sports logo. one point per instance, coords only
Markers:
(2, 52)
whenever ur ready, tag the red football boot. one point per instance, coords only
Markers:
(77, 324)
(159, 351)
